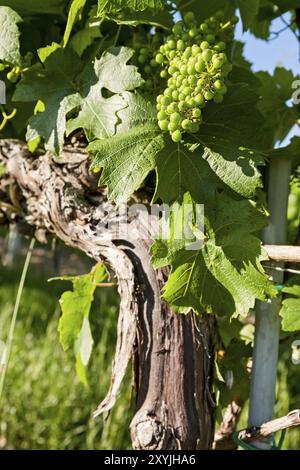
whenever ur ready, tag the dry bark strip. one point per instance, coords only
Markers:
(173, 355)
(266, 429)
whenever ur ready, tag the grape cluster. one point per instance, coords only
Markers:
(195, 62)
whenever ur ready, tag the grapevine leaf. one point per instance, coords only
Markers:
(203, 10)
(53, 84)
(179, 169)
(9, 36)
(74, 12)
(290, 310)
(98, 116)
(127, 158)
(35, 7)
(225, 276)
(74, 328)
(85, 37)
(276, 91)
(249, 10)
(112, 6)
(130, 155)
(55, 111)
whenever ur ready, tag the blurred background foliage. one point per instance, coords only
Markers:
(44, 406)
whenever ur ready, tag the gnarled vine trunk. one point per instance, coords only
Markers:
(172, 354)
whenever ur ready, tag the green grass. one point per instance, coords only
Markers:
(44, 406)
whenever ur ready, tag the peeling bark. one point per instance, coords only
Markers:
(173, 354)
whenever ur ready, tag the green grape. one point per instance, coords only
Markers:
(207, 55)
(189, 17)
(171, 44)
(153, 63)
(210, 38)
(204, 28)
(161, 115)
(194, 127)
(195, 50)
(175, 94)
(187, 53)
(163, 74)
(204, 45)
(172, 126)
(196, 113)
(148, 69)
(144, 51)
(208, 95)
(177, 28)
(175, 117)
(186, 124)
(172, 54)
(159, 58)
(176, 136)
(218, 98)
(166, 100)
(234, 20)
(180, 45)
(200, 66)
(199, 100)
(163, 125)
(223, 90)
(193, 32)
(218, 85)
(192, 80)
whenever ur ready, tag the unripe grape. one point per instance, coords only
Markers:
(234, 19)
(180, 45)
(196, 113)
(204, 45)
(177, 28)
(172, 126)
(219, 14)
(171, 44)
(163, 125)
(196, 50)
(207, 54)
(144, 51)
(199, 100)
(175, 94)
(142, 59)
(159, 58)
(193, 32)
(175, 117)
(148, 69)
(161, 115)
(186, 124)
(153, 63)
(200, 66)
(210, 38)
(203, 27)
(194, 127)
(218, 98)
(208, 95)
(176, 136)
(218, 85)
(189, 17)
(163, 74)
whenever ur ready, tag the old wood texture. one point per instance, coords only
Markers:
(173, 355)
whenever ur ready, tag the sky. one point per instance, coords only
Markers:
(282, 51)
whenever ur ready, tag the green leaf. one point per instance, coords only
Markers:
(36, 7)
(127, 158)
(204, 10)
(62, 86)
(111, 6)
(52, 83)
(75, 11)
(98, 116)
(55, 112)
(180, 169)
(3, 170)
(225, 276)
(276, 90)
(249, 10)
(161, 19)
(85, 37)
(290, 310)
(130, 155)
(9, 36)
(74, 327)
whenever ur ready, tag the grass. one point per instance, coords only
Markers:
(44, 406)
